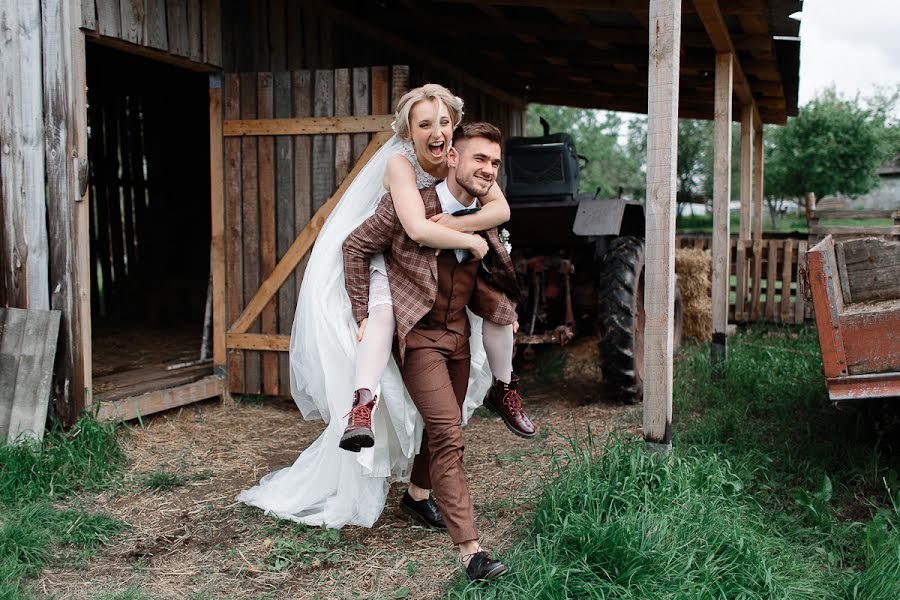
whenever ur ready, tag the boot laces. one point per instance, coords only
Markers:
(360, 416)
(513, 400)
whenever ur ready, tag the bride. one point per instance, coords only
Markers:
(335, 359)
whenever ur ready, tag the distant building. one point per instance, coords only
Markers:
(884, 197)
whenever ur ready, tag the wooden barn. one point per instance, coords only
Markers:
(166, 164)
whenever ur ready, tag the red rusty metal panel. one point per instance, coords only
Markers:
(858, 387)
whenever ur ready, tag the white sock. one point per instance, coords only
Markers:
(375, 348)
(498, 344)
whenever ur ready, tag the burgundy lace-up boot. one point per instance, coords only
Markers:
(504, 399)
(358, 433)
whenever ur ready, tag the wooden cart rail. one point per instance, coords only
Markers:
(860, 340)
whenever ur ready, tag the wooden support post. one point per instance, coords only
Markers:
(659, 258)
(741, 267)
(758, 184)
(721, 197)
(217, 201)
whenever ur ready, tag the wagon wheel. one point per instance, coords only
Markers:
(620, 311)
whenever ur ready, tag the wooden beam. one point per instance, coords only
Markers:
(350, 20)
(259, 341)
(151, 53)
(160, 400)
(659, 253)
(713, 21)
(758, 183)
(721, 196)
(307, 126)
(303, 243)
(746, 172)
(217, 208)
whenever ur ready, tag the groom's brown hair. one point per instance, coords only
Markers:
(477, 129)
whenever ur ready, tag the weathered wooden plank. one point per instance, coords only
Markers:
(399, 83)
(308, 125)
(301, 107)
(842, 272)
(132, 20)
(267, 227)
(109, 18)
(746, 181)
(787, 270)
(342, 108)
(218, 222)
(850, 230)
(873, 269)
(662, 144)
(155, 34)
(195, 30)
(32, 360)
(800, 302)
(284, 202)
(721, 197)
(250, 222)
(88, 15)
(771, 276)
(177, 27)
(872, 337)
(58, 85)
(323, 145)
(360, 108)
(23, 230)
(302, 244)
(212, 32)
(234, 282)
(381, 100)
(12, 322)
(160, 400)
(821, 214)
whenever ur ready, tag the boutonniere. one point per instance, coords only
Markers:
(504, 239)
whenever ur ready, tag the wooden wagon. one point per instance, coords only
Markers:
(855, 287)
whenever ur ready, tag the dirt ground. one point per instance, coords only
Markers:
(187, 538)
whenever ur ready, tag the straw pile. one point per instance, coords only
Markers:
(693, 267)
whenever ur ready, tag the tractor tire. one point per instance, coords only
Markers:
(620, 315)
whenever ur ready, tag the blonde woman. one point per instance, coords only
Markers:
(335, 359)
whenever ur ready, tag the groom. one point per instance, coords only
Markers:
(430, 294)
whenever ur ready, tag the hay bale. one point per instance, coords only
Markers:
(694, 269)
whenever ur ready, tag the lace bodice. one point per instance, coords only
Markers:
(423, 179)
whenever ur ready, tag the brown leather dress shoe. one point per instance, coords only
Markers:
(358, 433)
(504, 399)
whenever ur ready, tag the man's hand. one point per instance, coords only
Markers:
(515, 327)
(362, 329)
(479, 247)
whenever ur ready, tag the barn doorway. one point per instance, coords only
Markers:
(148, 149)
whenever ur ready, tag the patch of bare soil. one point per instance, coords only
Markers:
(193, 540)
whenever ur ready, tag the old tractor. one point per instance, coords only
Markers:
(580, 260)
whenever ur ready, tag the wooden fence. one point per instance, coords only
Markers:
(276, 178)
(765, 281)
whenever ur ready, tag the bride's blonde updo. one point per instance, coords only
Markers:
(428, 91)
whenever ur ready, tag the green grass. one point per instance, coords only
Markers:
(37, 526)
(788, 223)
(770, 492)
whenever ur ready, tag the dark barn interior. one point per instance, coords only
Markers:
(148, 153)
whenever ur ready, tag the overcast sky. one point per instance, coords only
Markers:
(854, 45)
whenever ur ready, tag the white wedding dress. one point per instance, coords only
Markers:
(326, 485)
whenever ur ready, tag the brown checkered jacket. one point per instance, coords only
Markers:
(412, 269)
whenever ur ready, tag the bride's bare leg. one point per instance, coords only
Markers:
(498, 345)
(503, 397)
(375, 348)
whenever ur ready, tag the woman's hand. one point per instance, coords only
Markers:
(479, 246)
(362, 329)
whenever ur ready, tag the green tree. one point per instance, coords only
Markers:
(834, 145)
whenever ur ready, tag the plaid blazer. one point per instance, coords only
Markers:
(412, 269)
